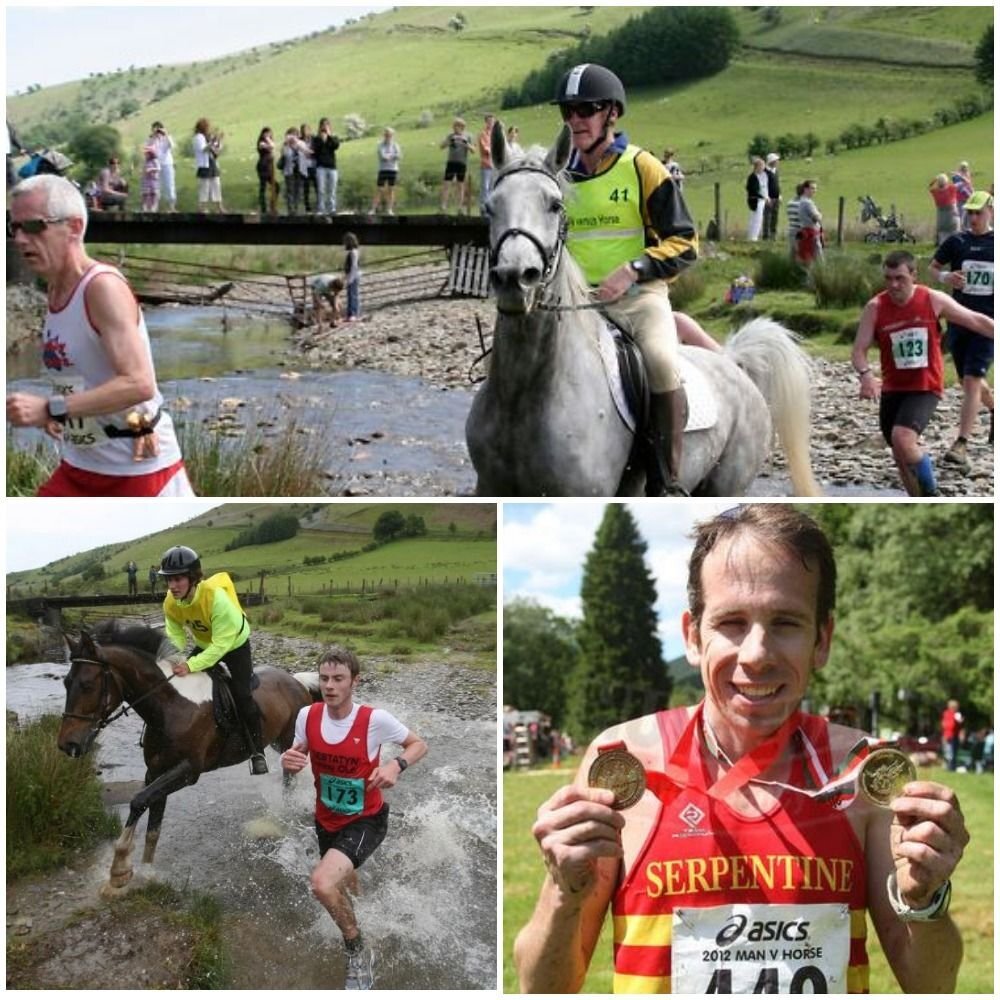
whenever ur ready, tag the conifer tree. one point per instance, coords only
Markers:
(620, 673)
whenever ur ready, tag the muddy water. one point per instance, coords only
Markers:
(428, 894)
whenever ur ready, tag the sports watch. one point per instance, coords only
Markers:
(934, 910)
(403, 765)
(56, 408)
(639, 266)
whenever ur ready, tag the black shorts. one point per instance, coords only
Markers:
(906, 409)
(454, 171)
(358, 839)
(386, 178)
(971, 352)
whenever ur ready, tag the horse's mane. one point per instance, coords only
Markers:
(115, 632)
(569, 286)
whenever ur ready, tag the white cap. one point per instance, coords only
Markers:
(773, 157)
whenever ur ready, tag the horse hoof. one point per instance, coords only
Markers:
(115, 887)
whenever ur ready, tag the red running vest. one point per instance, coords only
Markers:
(716, 902)
(341, 771)
(909, 343)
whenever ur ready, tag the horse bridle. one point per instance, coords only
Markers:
(550, 256)
(106, 718)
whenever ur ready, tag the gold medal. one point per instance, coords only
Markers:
(884, 774)
(621, 772)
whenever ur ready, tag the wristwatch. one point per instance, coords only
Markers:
(57, 410)
(934, 910)
(403, 765)
(638, 265)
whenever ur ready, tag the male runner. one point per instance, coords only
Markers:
(903, 321)
(719, 879)
(97, 358)
(964, 263)
(343, 740)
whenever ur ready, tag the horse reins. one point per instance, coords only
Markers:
(105, 719)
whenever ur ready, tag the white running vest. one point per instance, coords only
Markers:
(75, 360)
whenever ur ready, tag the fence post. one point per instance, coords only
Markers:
(840, 221)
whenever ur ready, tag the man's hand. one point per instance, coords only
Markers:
(294, 758)
(385, 776)
(181, 669)
(928, 836)
(574, 829)
(616, 284)
(27, 410)
(870, 388)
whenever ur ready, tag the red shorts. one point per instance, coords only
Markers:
(69, 481)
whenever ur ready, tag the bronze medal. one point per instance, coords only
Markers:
(884, 774)
(622, 773)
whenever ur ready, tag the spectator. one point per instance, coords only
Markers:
(112, 188)
(458, 145)
(13, 146)
(133, 578)
(207, 147)
(325, 288)
(810, 234)
(388, 154)
(307, 167)
(756, 199)
(288, 164)
(150, 185)
(485, 160)
(325, 146)
(352, 277)
(154, 576)
(951, 729)
(944, 193)
(673, 168)
(163, 143)
(268, 187)
(794, 221)
(962, 179)
(773, 197)
(514, 142)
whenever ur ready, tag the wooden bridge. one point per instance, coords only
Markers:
(49, 608)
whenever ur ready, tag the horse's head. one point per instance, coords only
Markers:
(527, 220)
(93, 692)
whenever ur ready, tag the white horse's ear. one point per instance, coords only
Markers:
(558, 155)
(498, 145)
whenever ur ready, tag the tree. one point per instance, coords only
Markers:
(389, 525)
(539, 655)
(621, 673)
(414, 526)
(94, 145)
(984, 59)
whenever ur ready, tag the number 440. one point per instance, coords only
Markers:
(767, 981)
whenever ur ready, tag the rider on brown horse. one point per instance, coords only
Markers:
(212, 612)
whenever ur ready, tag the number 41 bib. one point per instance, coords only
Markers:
(744, 948)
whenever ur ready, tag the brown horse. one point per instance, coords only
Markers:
(122, 665)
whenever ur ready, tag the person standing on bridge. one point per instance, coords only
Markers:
(324, 146)
(97, 357)
(154, 576)
(211, 610)
(163, 142)
(207, 147)
(459, 146)
(631, 233)
(343, 740)
(132, 571)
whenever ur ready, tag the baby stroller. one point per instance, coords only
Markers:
(889, 230)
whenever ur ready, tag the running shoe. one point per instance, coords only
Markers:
(360, 969)
(958, 455)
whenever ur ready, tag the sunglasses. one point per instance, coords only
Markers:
(582, 109)
(32, 226)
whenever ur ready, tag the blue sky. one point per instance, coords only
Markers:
(544, 546)
(39, 531)
(48, 45)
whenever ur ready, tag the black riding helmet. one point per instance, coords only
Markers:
(180, 561)
(590, 82)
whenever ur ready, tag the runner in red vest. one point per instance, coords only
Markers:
(903, 322)
(343, 741)
(743, 866)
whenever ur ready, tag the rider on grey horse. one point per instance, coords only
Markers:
(630, 232)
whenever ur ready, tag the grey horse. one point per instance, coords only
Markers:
(547, 420)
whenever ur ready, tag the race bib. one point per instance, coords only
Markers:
(978, 277)
(81, 432)
(342, 795)
(909, 348)
(743, 948)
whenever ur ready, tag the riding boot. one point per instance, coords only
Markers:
(668, 416)
(251, 728)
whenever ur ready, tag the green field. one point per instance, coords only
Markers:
(972, 902)
(820, 70)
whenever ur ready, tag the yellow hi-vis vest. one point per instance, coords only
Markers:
(604, 213)
(197, 614)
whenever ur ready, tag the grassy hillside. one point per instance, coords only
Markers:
(460, 544)
(818, 69)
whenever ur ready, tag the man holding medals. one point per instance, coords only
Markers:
(743, 865)
(344, 740)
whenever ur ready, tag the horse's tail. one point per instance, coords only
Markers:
(774, 362)
(309, 679)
